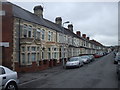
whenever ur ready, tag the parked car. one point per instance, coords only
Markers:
(118, 68)
(85, 59)
(74, 62)
(105, 53)
(92, 58)
(97, 55)
(117, 53)
(8, 79)
(116, 59)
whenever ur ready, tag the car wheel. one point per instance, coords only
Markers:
(115, 62)
(11, 86)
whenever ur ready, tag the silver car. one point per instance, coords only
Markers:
(8, 79)
(85, 59)
(116, 59)
(91, 58)
(74, 62)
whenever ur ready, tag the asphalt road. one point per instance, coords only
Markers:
(100, 73)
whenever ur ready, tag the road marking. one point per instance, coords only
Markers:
(29, 81)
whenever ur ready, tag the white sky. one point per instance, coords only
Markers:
(98, 20)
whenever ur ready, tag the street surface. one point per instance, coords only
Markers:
(100, 73)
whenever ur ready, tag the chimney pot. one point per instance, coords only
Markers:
(78, 33)
(70, 27)
(84, 35)
(88, 38)
(58, 20)
(38, 10)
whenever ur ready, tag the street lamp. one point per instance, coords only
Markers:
(63, 43)
(65, 23)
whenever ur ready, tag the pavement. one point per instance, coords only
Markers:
(31, 76)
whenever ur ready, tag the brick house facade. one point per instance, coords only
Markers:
(35, 43)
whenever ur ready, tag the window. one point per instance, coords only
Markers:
(49, 55)
(49, 49)
(28, 57)
(55, 49)
(29, 31)
(43, 34)
(25, 27)
(55, 55)
(23, 58)
(38, 56)
(38, 49)
(38, 34)
(28, 48)
(64, 39)
(2, 71)
(2, 13)
(34, 33)
(23, 49)
(42, 55)
(33, 48)
(33, 57)
(49, 36)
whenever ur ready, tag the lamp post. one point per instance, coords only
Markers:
(63, 43)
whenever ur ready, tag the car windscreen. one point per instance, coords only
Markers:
(74, 59)
(84, 57)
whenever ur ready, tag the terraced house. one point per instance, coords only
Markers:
(30, 42)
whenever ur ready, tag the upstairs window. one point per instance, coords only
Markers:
(29, 31)
(49, 36)
(38, 34)
(43, 34)
(25, 27)
(34, 33)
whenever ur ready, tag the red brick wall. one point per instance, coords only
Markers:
(7, 34)
(34, 67)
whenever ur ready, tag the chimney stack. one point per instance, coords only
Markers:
(88, 38)
(58, 21)
(84, 35)
(38, 10)
(78, 33)
(70, 27)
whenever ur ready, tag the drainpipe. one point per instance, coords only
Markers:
(19, 42)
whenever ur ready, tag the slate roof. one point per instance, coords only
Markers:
(96, 43)
(31, 17)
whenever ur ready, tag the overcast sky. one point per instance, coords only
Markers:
(98, 20)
